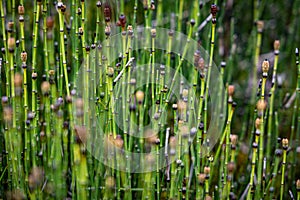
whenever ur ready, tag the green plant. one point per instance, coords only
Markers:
(99, 101)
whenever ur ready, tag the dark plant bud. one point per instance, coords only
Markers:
(254, 145)
(285, 143)
(110, 72)
(51, 72)
(174, 106)
(30, 116)
(107, 12)
(193, 22)
(208, 198)
(21, 10)
(132, 107)
(185, 93)
(265, 66)
(45, 87)
(34, 75)
(260, 26)
(173, 142)
(122, 21)
(231, 90)
(257, 123)
(18, 80)
(42, 135)
(201, 126)
(279, 140)
(35, 178)
(140, 96)
(59, 5)
(156, 116)
(80, 134)
(213, 10)
(223, 64)
(201, 178)
(278, 152)
(153, 33)
(257, 132)
(63, 8)
(261, 105)
(233, 139)
(276, 45)
(132, 81)
(214, 20)
(145, 5)
(234, 104)
(193, 131)
(11, 43)
(79, 11)
(4, 100)
(130, 30)
(21, 18)
(107, 30)
(60, 101)
(206, 170)
(196, 58)
(80, 31)
(118, 142)
(10, 26)
(201, 64)
(171, 33)
(298, 185)
(183, 129)
(99, 4)
(151, 136)
(231, 167)
(79, 103)
(181, 106)
(49, 22)
(7, 114)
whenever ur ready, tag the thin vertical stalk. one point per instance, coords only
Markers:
(260, 26)
(61, 11)
(6, 49)
(211, 55)
(271, 108)
(35, 35)
(261, 107)
(285, 144)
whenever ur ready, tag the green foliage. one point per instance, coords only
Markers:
(48, 75)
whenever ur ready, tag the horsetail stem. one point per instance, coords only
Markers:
(35, 34)
(285, 145)
(5, 49)
(298, 189)
(46, 150)
(270, 117)
(61, 10)
(213, 10)
(33, 118)
(261, 106)
(21, 21)
(260, 27)
(46, 62)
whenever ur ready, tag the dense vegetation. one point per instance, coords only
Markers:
(165, 99)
